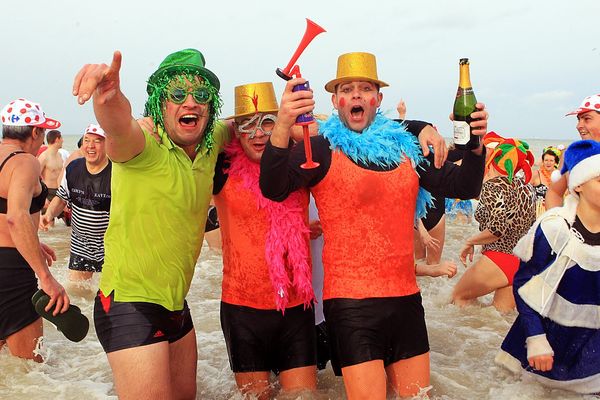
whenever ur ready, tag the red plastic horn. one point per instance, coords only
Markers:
(312, 30)
(292, 69)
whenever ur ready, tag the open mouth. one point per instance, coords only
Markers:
(259, 146)
(189, 120)
(357, 113)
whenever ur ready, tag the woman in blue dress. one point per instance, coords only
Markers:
(556, 336)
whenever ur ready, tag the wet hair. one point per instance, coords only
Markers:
(52, 136)
(20, 133)
(80, 142)
(553, 154)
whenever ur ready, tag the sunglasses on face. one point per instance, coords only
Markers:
(200, 94)
(264, 122)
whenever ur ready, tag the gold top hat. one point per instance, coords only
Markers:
(355, 67)
(254, 98)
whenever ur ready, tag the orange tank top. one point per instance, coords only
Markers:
(367, 218)
(244, 227)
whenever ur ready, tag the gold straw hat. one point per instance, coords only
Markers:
(355, 67)
(254, 98)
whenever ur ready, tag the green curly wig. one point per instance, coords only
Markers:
(157, 89)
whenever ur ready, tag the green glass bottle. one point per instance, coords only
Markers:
(464, 106)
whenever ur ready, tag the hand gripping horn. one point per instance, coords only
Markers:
(292, 70)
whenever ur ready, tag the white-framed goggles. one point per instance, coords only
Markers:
(264, 122)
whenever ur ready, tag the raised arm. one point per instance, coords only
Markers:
(429, 136)
(292, 105)
(555, 193)
(280, 171)
(124, 137)
(455, 181)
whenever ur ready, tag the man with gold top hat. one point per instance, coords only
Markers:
(266, 301)
(160, 196)
(367, 192)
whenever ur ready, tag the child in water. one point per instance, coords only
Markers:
(556, 336)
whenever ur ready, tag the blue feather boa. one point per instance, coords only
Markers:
(385, 143)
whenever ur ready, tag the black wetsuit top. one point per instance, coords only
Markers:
(281, 174)
(37, 203)
(591, 238)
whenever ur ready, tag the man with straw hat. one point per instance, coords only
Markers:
(266, 301)
(367, 192)
(160, 196)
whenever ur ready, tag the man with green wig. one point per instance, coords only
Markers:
(160, 197)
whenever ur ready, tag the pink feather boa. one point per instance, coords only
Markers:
(287, 239)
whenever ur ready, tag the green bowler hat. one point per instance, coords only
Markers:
(190, 60)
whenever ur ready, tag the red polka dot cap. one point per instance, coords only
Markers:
(590, 103)
(22, 112)
(95, 130)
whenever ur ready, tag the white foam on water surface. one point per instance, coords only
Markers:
(463, 344)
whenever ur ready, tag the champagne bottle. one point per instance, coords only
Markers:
(464, 105)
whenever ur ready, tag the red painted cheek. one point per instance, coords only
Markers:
(373, 101)
(342, 102)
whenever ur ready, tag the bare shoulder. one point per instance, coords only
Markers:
(25, 164)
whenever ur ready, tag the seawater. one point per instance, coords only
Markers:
(463, 342)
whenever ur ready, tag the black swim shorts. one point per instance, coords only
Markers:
(266, 340)
(78, 263)
(49, 197)
(51, 193)
(323, 352)
(17, 284)
(389, 329)
(123, 325)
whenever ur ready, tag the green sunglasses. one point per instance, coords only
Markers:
(201, 94)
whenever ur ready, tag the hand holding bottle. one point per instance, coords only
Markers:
(464, 110)
(479, 120)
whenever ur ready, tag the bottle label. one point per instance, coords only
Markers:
(462, 132)
(464, 91)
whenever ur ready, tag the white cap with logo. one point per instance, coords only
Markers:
(22, 112)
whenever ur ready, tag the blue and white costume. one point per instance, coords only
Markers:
(557, 291)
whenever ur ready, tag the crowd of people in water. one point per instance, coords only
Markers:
(301, 290)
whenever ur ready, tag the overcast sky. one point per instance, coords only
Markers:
(531, 61)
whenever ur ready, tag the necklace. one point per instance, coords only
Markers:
(546, 175)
